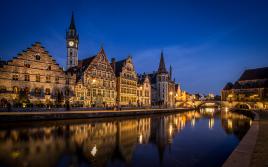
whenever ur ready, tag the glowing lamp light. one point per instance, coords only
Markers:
(94, 151)
(140, 138)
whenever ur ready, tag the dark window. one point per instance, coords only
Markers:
(27, 65)
(26, 91)
(48, 78)
(37, 57)
(57, 79)
(47, 91)
(37, 92)
(49, 68)
(67, 81)
(27, 77)
(15, 77)
(67, 92)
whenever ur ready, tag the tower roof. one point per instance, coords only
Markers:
(72, 24)
(162, 66)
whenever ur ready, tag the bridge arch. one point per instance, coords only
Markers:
(243, 106)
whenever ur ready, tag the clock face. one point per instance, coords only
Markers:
(71, 43)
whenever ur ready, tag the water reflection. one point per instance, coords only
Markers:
(124, 142)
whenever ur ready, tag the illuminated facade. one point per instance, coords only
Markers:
(181, 95)
(144, 90)
(95, 82)
(163, 87)
(126, 82)
(34, 77)
(250, 91)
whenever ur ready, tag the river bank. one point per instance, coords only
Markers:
(62, 115)
(253, 149)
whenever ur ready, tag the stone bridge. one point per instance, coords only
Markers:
(232, 104)
(199, 103)
(244, 104)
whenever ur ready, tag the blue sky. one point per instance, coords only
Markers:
(208, 42)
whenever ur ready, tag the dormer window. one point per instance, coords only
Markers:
(37, 57)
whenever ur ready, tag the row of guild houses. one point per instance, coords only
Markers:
(34, 77)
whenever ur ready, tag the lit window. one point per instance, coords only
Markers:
(15, 89)
(37, 78)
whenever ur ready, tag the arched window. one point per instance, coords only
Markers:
(16, 89)
(37, 57)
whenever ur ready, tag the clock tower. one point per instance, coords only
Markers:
(72, 40)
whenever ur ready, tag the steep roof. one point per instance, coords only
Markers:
(152, 77)
(254, 74)
(228, 86)
(82, 66)
(72, 24)
(118, 67)
(162, 66)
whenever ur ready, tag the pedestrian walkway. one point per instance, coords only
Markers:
(259, 157)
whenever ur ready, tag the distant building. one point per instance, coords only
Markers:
(181, 96)
(144, 90)
(250, 91)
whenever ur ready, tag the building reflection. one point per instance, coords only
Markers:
(98, 144)
(234, 123)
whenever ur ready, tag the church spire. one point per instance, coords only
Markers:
(72, 24)
(162, 66)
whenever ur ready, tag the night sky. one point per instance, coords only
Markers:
(208, 43)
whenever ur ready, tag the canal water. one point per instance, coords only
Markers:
(197, 138)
